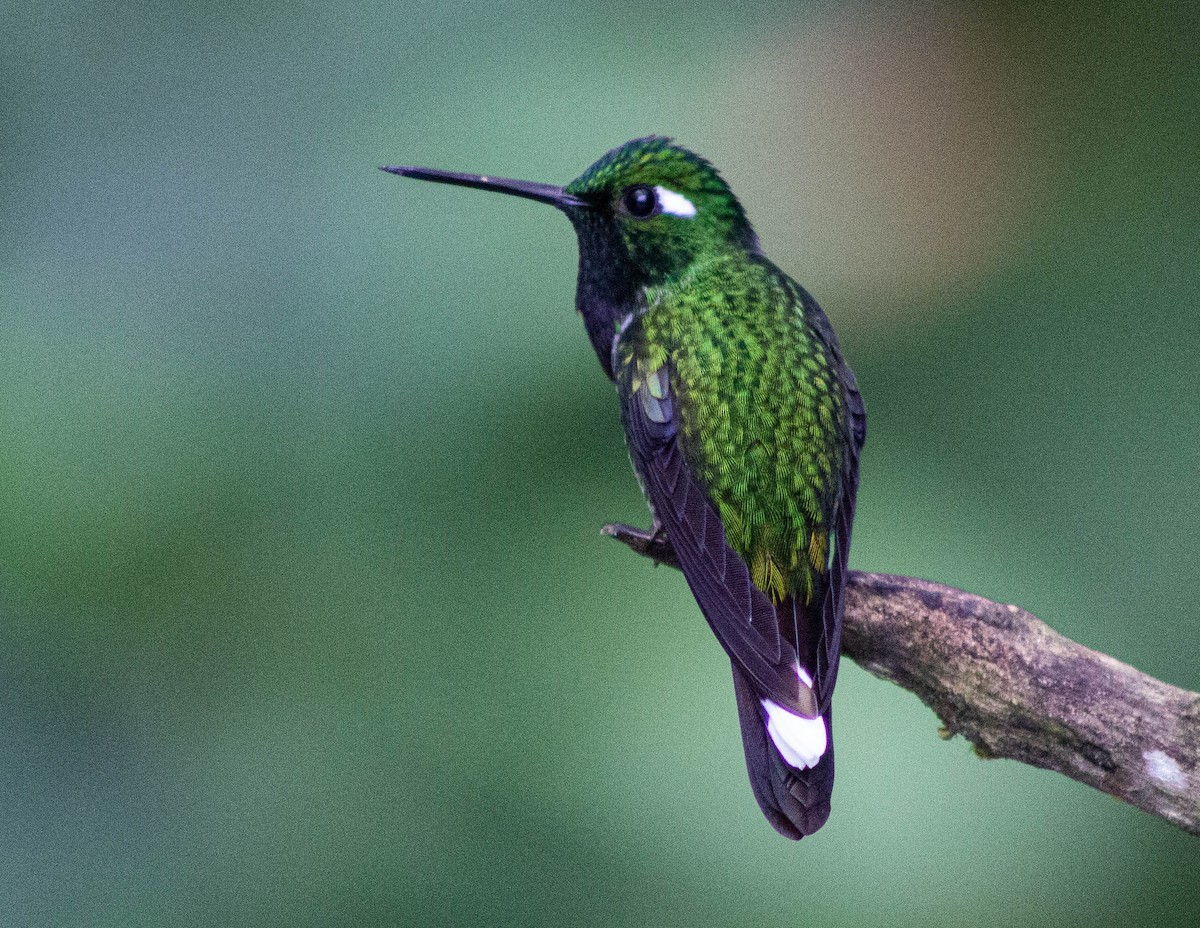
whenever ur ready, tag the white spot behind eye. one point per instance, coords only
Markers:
(675, 204)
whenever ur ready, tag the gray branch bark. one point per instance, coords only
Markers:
(1015, 688)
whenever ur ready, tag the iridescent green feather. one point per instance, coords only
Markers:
(762, 414)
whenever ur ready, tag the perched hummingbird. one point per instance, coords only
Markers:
(744, 426)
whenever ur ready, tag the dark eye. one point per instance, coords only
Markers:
(640, 201)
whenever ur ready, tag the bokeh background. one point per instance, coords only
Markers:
(304, 616)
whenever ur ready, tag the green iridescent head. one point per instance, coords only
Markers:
(668, 206)
(644, 213)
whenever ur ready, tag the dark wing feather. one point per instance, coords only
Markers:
(741, 616)
(754, 633)
(833, 606)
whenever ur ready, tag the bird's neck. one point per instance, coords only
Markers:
(608, 288)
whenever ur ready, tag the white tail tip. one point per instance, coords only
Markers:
(801, 741)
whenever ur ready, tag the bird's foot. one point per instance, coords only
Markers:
(654, 544)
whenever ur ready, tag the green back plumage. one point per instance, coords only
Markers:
(762, 414)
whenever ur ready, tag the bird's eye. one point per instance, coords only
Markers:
(640, 201)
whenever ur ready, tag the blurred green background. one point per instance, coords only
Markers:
(304, 617)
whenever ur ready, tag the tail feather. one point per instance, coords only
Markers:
(795, 801)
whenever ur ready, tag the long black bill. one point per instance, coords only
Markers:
(543, 193)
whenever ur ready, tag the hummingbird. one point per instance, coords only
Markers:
(744, 425)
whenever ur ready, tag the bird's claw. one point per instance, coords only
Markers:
(653, 544)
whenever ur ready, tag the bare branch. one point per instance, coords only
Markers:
(1014, 687)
